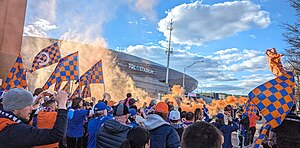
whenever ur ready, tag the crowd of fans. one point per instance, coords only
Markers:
(45, 120)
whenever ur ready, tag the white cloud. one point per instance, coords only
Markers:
(196, 24)
(144, 7)
(234, 60)
(226, 51)
(39, 28)
(254, 80)
(253, 64)
(252, 36)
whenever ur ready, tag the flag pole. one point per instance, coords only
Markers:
(79, 77)
(103, 78)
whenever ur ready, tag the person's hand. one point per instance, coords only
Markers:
(142, 110)
(61, 97)
(270, 143)
(229, 118)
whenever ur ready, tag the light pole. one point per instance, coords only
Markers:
(186, 68)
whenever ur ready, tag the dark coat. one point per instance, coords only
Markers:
(288, 133)
(21, 135)
(227, 131)
(112, 134)
(164, 136)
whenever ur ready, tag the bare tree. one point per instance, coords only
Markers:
(292, 37)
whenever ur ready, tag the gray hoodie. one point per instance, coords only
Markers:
(153, 121)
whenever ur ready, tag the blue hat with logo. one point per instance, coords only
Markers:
(100, 106)
(132, 112)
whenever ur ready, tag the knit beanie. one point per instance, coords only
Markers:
(17, 98)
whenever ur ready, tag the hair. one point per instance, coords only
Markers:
(163, 115)
(174, 121)
(99, 113)
(133, 107)
(219, 122)
(37, 91)
(137, 137)
(198, 114)
(171, 107)
(75, 103)
(49, 103)
(183, 114)
(128, 95)
(201, 134)
(189, 116)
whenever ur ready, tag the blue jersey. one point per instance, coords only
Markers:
(75, 124)
(93, 126)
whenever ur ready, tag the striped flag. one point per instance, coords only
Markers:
(67, 69)
(16, 77)
(46, 57)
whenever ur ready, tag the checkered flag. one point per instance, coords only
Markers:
(274, 99)
(16, 77)
(76, 93)
(46, 57)
(93, 75)
(67, 69)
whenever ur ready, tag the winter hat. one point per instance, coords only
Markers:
(174, 115)
(17, 98)
(132, 112)
(121, 110)
(220, 115)
(132, 101)
(100, 107)
(161, 107)
(152, 102)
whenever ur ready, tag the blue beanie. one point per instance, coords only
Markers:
(220, 115)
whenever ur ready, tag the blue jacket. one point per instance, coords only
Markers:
(93, 126)
(162, 135)
(227, 130)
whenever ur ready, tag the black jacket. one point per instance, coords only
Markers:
(112, 134)
(21, 135)
(288, 133)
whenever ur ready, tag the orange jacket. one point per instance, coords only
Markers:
(253, 119)
(46, 120)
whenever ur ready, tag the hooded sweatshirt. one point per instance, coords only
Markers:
(162, 135)
(112, 134)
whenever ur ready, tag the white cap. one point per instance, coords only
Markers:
(174, 115)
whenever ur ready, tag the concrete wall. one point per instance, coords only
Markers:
(12, 17)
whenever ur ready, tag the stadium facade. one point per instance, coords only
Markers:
(151, 76)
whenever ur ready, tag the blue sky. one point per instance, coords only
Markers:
(230, 36)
